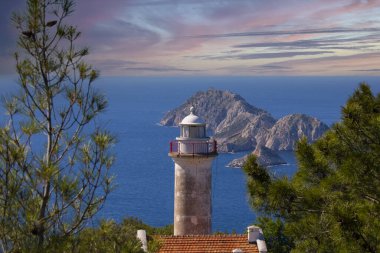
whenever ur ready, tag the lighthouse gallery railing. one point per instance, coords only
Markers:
(193, 148)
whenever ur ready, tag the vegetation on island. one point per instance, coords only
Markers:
(332, 203)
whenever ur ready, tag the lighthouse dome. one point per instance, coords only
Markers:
(192, 119)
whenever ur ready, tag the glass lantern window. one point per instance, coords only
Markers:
(193, 132)
(185, 132)
(202, 132)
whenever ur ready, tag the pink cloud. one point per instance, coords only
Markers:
(88, 14)
(344, 8)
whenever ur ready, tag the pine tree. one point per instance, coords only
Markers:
(54, 159)
(332, 204)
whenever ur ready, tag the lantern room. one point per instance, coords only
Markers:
(192, 139)
(192, 127)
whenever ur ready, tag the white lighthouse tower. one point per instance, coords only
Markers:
(192, 153)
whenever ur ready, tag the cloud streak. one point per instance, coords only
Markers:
(288, 32)
(367, 70)
(160, 69)
(290, 54)
(314, 43)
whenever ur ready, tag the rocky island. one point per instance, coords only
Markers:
(265, 157)
(239, 126)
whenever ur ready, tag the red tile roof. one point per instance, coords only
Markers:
(206, 244)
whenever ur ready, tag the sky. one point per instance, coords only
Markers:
(220, 37)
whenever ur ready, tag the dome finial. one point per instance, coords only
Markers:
(192, 119)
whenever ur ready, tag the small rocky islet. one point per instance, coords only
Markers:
(238, 126)
(265, 157)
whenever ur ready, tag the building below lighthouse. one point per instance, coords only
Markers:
(193, 153)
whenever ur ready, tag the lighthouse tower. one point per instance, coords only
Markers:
(192, 153)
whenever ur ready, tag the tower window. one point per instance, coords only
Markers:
(185, 131)
(193, 132)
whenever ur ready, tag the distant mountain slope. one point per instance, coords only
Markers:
(239, 126)
(216, 107)
(289, 129)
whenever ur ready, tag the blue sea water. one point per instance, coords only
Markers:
(144, 172)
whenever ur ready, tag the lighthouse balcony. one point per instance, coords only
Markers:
(193, 148)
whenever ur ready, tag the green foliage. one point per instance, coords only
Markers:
(274, 232)
(258, 181)
(332, 203)
(107, 236)
(54, 159)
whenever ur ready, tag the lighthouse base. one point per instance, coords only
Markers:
(192, 195)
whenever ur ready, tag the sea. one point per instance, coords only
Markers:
(144, 173)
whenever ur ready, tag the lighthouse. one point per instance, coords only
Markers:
(192, 153)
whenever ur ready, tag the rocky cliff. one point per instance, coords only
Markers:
(289, 129)
(239, 126)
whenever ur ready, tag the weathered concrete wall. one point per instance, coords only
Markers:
(192, 195)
